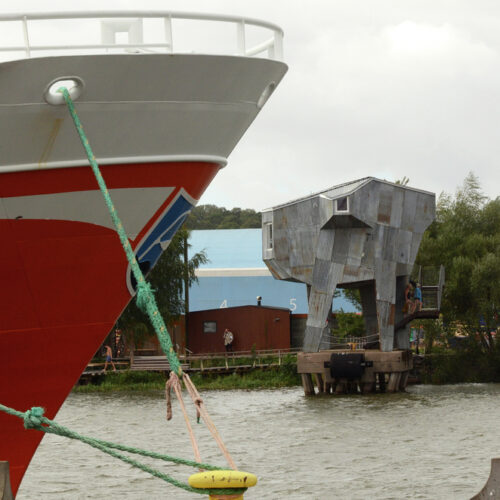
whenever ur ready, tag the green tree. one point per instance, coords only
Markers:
(213, 217)
(465, 238)
(167, 279)
(349, 325)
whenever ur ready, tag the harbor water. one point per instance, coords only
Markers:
(431, 442)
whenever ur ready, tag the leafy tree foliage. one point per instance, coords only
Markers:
(213, 217)
(465, 237)
(349, 325)
(353, 296)
(167, 279)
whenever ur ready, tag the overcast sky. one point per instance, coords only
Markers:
(387, 88)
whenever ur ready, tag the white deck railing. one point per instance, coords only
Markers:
(266, 41)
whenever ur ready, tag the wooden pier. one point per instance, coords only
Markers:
(222, 363)
(343, 371)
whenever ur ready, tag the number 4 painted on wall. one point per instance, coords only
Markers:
(224, 304)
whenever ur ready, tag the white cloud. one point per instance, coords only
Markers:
(388, 87)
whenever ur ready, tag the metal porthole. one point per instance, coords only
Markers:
(266, 93)
(74, 84)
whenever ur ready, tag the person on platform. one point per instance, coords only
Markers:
(417, 298)
(407, 308)
(109, 358)
(228, 339)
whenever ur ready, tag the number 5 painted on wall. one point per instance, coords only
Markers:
(293, 304)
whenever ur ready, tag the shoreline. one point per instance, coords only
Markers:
(440, 368)
(271, 378)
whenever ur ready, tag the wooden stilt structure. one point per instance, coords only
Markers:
(381, 371)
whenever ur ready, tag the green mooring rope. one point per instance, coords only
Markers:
(34, 419)
(145, 296)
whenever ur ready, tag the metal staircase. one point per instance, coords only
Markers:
(432, 284)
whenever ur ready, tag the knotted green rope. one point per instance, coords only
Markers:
(145, 297)
(34, 419)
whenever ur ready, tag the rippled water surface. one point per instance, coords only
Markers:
(430, 443)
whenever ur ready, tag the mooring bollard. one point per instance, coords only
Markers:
(5, 490)
(215, 479)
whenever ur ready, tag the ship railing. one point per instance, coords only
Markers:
(125, 31)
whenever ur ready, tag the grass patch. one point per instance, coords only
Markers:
(284, 375)
(271, 378)
(125, 381)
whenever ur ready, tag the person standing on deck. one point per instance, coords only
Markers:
(407, 308)
(228, 339)
(417, 298)
(109, 358)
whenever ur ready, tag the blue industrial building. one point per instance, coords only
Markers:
(236, 274)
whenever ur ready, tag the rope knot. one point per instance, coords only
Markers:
(34, 418)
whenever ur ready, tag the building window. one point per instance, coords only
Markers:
(210, 327)
(269, 235)
(342, 204)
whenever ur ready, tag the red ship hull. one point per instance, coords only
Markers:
(65, 282)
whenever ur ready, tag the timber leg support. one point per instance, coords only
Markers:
(381, 382)
(393, 384)
(320, 383)
(403, 381)
(307, 384)
(367, 387)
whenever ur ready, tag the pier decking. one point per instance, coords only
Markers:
(221, 363)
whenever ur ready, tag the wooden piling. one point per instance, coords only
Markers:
(319, 383)
(5, 489)
(403, 382)
(381, 382)
(367, 387)
(393, 384)
(307, 384)
(384, 371)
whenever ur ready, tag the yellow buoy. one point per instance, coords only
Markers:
(213, 479)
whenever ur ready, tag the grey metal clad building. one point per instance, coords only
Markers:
(362, 234)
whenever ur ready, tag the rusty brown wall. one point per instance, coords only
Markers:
(266, 327)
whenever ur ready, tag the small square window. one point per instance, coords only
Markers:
(342, 204)
(210, 327)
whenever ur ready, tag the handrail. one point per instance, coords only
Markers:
(239, 354)
(273, 45)
(441, 285)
